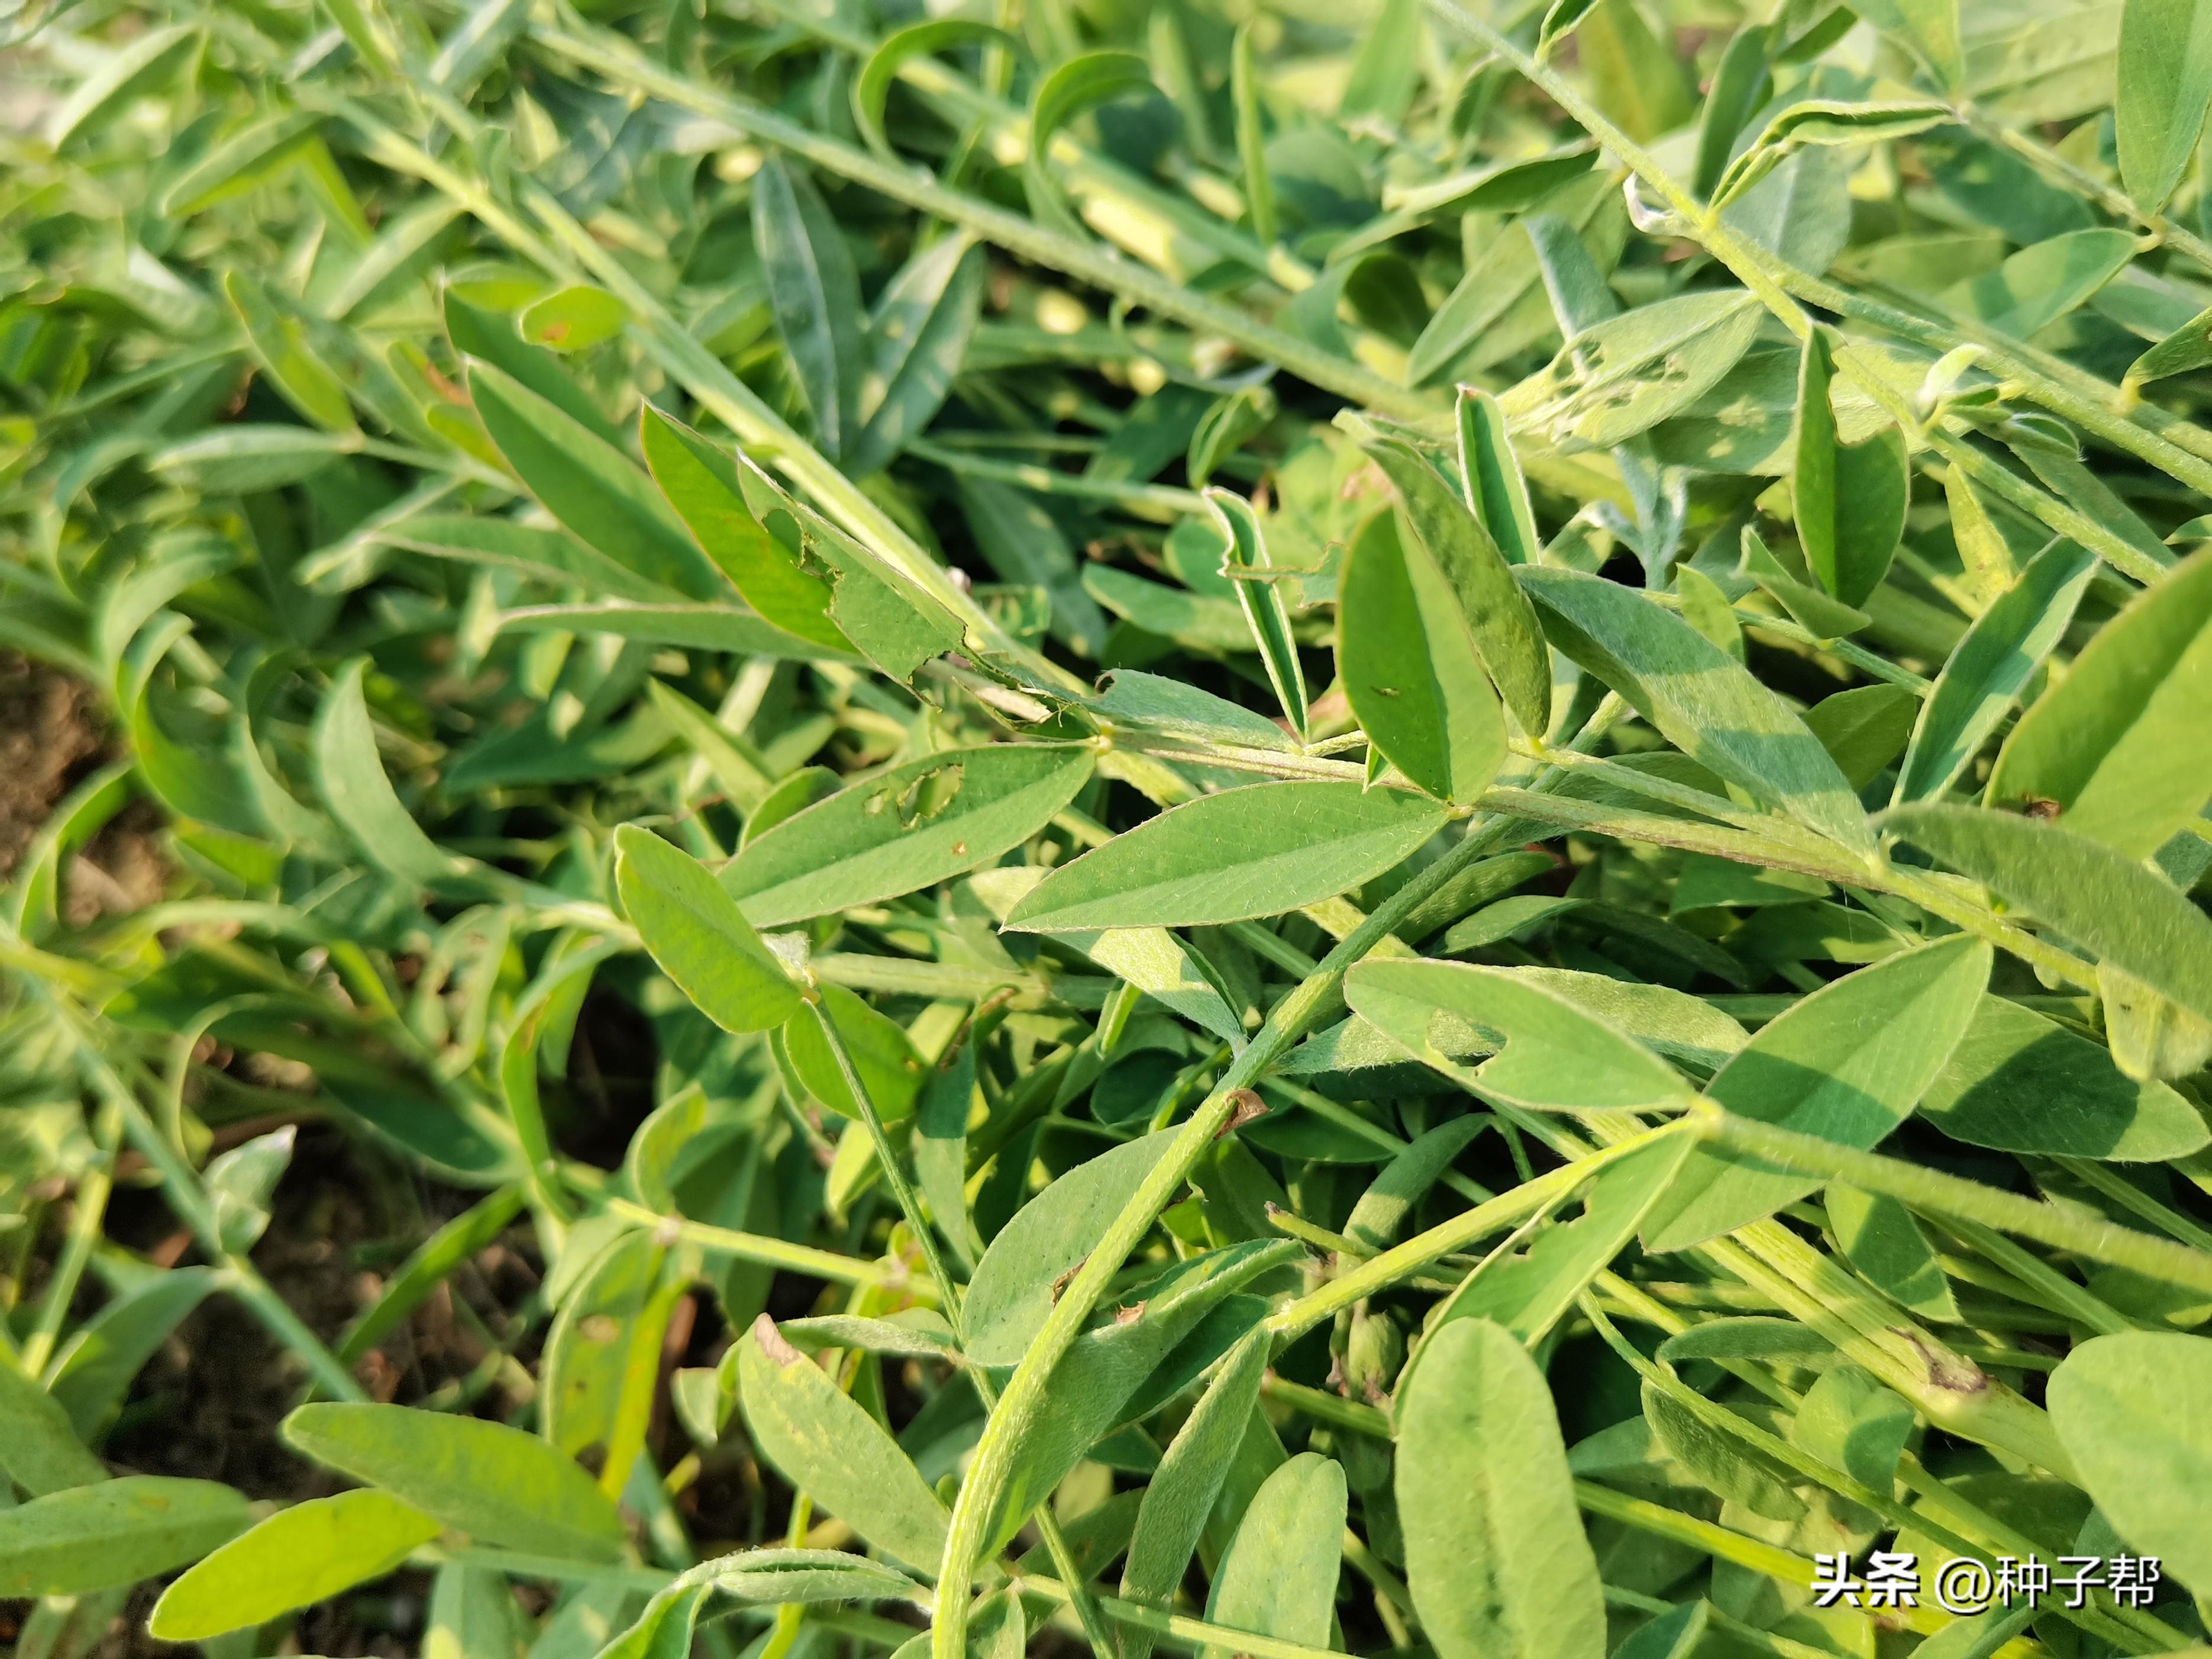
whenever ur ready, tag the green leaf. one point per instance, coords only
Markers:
(830, 1447)
(1850, 1422)
(246, 459)
(916, 340)
(1991, 667)
(1850, 498)
(1266, 612)
(1527, 1291)
(1081, 84)
(1011, 1293)
(93, 1369)
(491, 336)
(242, 1182)
(573, 319)
(1258, 851)
(708, 494)
(1820, 615)
(249, 157)
(1495, 1554)
(1499, 622)
(1623, 376)
(1865, 728)
(297, 1557)
(1279, 1577)
(2019, 1083)
(602, 1358)
(2101, 900)
(1879, 1237)
(1382, 1210)
(287, 357)
(2165, 88)
(882, 1057)
(2039, 285)
(2111, 744)
(1546, 1053)
(1098, 1383)
(1182, 1491)
(39, 1447)
(816, 294)
(872, 87)
(117, 1532)
(588, 485)
(786, 1577)
(2131, 1411)
(1490, 473)
(1406, 655)
(1847, 1063)
(497, 1483)
(904, 829)
(140, 69)
(1721, 1462)
(1930, 27)
(1701, 699)
(1024, 544)
(1823, 121)
(360, 796)
(1252, 137)
(543, 554)
(699, 937)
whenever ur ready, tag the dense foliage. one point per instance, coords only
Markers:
(1362, 828)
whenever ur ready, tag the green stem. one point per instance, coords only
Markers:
(1949, 1197)
(90, 1211)
(771, 1252)
(909, 1204)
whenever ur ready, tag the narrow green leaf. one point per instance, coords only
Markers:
(699, 936)
(1011, 1293)
(1500, 622)
(1490, 474)
(1406, 657)
(288, 356)
(1879, 1237)
(360, 796)
(297, 1557)
(2020, 1083)
(117, 1532)
(1701, 699)
(1847, 1063)
(1182, 1491)
(2039, 285)
(2111, 744)
(1258, 851)
(904, 829)
(1624, 375)
(39, 1447)
(1279, 1577)
(1850, 499)
(916, 340)
(1495, 1554)
(573, 319)
(1266, 614)
(830, 1447)
(872, 87)
(816, 294)
(494, 1483)
(1546, 1053)
(140, 69)
(1080, 84)
(2101, 900)
(588, 485)
(1850, 1422)
(1530, 1290)
(883, 1056)
(2165, 88)
(1252, 138)
(601, 1359)
(1991, 667)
